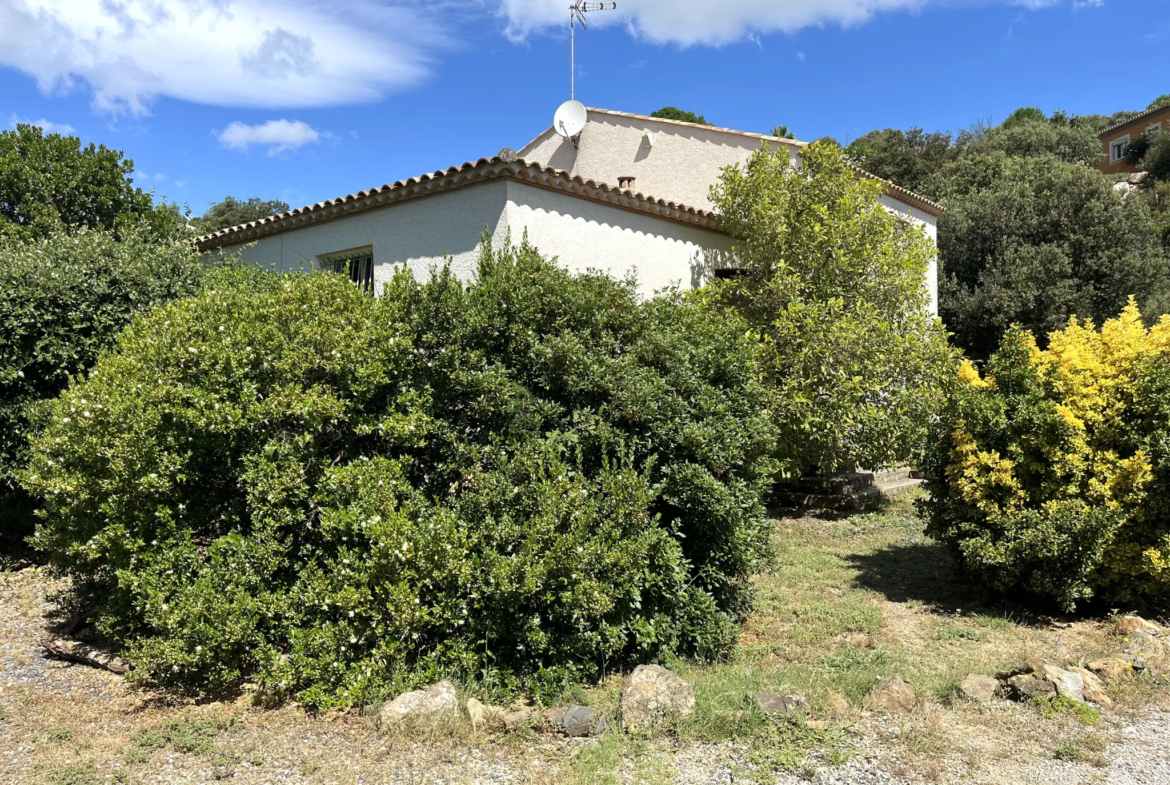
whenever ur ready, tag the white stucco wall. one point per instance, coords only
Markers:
(581, 233)
(680, 166)
(587, 235)
(419, 233)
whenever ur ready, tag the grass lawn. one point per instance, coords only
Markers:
(847, 600)
(851, 599)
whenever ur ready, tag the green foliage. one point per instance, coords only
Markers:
(1024, 116)
(674, 113)
(1156, 161)
(1071, 139)
(50, 182)
(233, 212)
(526, 481)
(832, 284)
(63, 300)
(1083, 713)
(782, 132)
(1045, 477)
(1031, 241)
(184, 735)
(905, 158)
(1159, 102)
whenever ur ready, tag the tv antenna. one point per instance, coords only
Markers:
(577, 13)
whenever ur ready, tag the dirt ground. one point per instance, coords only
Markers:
(848, 600)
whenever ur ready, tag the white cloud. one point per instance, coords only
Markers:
(47, 126)
(296, 53)
(276, 135)
(691, 22)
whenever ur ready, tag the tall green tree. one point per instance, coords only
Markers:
(906, 158)
(674, 113)
(833, 285)
(233, 212)
(63, 301)
(1033, 241)
(50, 181)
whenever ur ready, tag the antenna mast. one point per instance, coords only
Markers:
(577, 13)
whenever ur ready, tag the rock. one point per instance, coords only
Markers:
(1112, 669)
(837, 704)
(1140, 648)
(1094, 687)
(484, 717)
(782, 705)
(652, 693)
(1027, 686)
(576, 721)
(978, 687)
(515, 720)
(421, 706)
(1067, 683)
(1128, 625)
(891, 695)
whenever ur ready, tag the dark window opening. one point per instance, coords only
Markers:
(358, 266)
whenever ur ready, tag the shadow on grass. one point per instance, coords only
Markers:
(925, 572)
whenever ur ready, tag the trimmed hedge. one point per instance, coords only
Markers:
(524, 481)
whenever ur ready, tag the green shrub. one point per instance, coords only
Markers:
(524, 481)
(832, 283)
(63, 300)
(1047, 474)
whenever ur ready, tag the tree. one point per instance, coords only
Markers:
(1156, 161)
(49, 182)
(233, 212)
(905, 158)
(782, 132)
(1159, 102)
(1023, 116)
(673, 113)
(1024, 135)
(832, 284)
(1032, 241)
(63, 300)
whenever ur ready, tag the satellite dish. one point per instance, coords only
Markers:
(570, 119)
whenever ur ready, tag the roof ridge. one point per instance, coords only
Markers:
(1133, 119)
(685, 123)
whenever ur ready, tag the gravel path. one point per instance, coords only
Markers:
(66, 724)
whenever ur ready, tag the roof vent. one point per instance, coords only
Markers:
(626, 181)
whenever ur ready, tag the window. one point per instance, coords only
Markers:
(1118, 149)
(1153, 129)
(357, 263)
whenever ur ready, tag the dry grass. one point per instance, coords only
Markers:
(848, 600)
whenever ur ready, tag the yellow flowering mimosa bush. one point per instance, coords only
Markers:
(1050, 468)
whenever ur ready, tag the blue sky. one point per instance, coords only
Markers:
(305, 100)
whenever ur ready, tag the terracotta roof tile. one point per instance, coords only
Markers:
(483, 170)
(1135, 119)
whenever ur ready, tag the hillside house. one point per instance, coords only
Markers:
(1115, 139)
(630, 193)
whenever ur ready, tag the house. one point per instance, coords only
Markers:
(629, 193)
(1115, 139)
